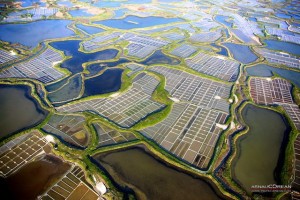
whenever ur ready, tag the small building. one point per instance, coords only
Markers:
(101, 188)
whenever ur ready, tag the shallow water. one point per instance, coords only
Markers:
(19, 110)
(241, 53)
(89, 29)
(153, 178)
(80, 13)
(222, 50)
(258, 150)
(131, 22)
(283, 46)
(268, 71)
(223, 20)
(159, 57)
(30, 34)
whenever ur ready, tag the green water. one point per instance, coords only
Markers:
(151, 179)
(259, 149)
(18, 110)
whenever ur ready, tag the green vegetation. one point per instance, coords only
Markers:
(223, 147)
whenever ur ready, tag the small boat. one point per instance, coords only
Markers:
(132, 22)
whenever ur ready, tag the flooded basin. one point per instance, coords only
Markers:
(70, 90)
(159, 57)
(120, 13)
(241, 53)
(131, 22)
(74, 64)
(80, 13)
(258, 151)
(89, 29)
(262, 70)
(33, 179)
(30, 34)
(27, 3)
(283, 46)
(224, 20)
(150, 178)
(97, 67)
(109, 81)
(221, 50)
(19, 110)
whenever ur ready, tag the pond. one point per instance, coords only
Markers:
(253, 19)
(89, 29)
(80, 13)
(56, 85)
(221, 50)
(19, 110)
(27, 3)
(158, 57)
(131, 22)
(224, 20)
(74, 64)
(242, 36)
(109, 81)
(30, 34)
(120, 13)
(65, 3)
(33, 179)
(283, 46)
(150, 178)
(70, 90)
(241, 53)
(258, 150)
(97, 67)
(262, 70)
(283, 15)
(297, 17)
(226, 32)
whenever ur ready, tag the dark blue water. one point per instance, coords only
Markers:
(97, 67)
(131, 22)
(268, 71)
(89, 29)
(297, 17)
(30, 34)
(283, 46)
(160, 58)
(226, 32)
(222, 19)
(94, 69)
(222, 50)
(74, 64)
(253, 19)
(241, 53)
(109, 81)
(295, 24)
(283, 16)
